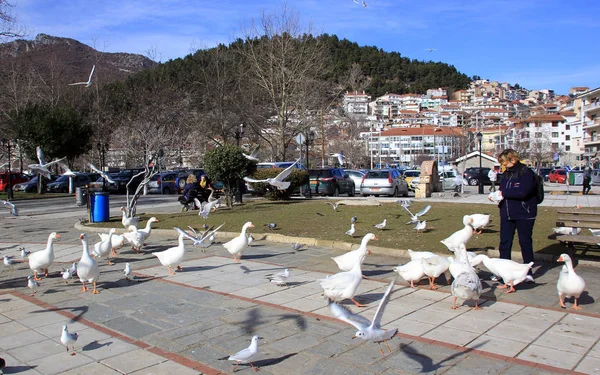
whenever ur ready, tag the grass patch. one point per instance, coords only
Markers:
(20, 196)
(317, 219)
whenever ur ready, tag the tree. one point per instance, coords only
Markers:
(9, 27)
(284, 60)
(228, 165)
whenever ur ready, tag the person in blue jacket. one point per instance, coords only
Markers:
(518, 208)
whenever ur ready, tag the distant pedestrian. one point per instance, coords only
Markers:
(518, 207)
(493, 176)
(587, 179)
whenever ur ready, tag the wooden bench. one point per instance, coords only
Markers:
(584, 218)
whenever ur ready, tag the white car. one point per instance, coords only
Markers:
(447, 178)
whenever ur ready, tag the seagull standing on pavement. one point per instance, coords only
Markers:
(32, 284)
(351, 231)
(24, 253)
(297, 246)
(9, 261)
(67, 339)
(89, 81)
(250, 239)
(127, 271)
(279, 278)
(381, 225)
(246, 355)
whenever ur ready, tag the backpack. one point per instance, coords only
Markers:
(539, 188)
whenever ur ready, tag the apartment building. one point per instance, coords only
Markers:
(356, 103)
(590, 121)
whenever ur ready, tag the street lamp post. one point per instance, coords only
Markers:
(9, 190)
(309, 140)
(102, 148)
(479, 137)
(239, 133)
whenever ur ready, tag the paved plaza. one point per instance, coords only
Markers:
(187, 324)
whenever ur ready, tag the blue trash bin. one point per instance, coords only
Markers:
(99, 209)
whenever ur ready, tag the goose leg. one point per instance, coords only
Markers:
(562, 303)
(84, 288)
(235, 258)
(46, 273)
(35, 277)
(432, 285)
(357, 303)
(95, 291)
(511, 289)
(454, 307)
(179, 268)
(575, 306)
(109, 262)
(170, 271)
(477, 305)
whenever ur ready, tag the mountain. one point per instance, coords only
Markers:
(70, 58)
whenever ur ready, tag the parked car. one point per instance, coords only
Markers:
(96, 186)
(330, 181)
(163, 183)
(31, 185)
(183, 175)
(447, 178)
(15, 178)
(471, 175)
(410, 174)
(384, 182)
(281, 164)
(544, 172)
(61, 185)
(596, 177)
(356, 176)
(123, 177)
(558, 175)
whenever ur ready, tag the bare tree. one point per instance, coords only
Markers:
(283, 59)
(9, 27)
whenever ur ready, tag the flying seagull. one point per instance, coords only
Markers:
(203, 239)
(416, 217)
(11, 206)
(341, 158)
(278, 180)
(335, 205)
(367, 330)
(66, 169)
(364, 4)
(206, 207)
(104, 175)
(253, 155)
(42, 167)
(430, 49)
(89, 81)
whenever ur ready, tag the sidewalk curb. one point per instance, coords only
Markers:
(338, 245)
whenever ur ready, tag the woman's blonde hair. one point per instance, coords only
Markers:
(191, 179)
(508, 155)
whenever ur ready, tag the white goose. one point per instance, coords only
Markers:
(480, 221)
(569, 283)
(433, 267)
(467, 286)
(116, 241)
(461, 263)
(141, 235)
(41, 260)
(87, 268)
(346, 261)
(511, 272)
(411, 271)
(134, 237)
(343, 285)
(127, 221)
(461, 236)
(104, 247)
(420, 254)
(238, 244)
(172, 256)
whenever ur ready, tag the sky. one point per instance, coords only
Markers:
(539, 44)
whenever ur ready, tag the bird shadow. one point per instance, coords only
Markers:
(17, 369)
(426, 362)
(584, 299)
(297, 283)
(261, 256)
(272, 361)
(95, 345)
(369, 273)
(81, 310)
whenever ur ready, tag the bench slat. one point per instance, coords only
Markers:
(586, 218)
(578, 238)
(578, 211)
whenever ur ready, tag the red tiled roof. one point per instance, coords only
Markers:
(424, 130)
(568, 113)
(544, 118)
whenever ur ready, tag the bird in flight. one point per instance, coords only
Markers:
(430, 49)
(89, 81)
(364, 4)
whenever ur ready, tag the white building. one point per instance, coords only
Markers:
(356, 103)
(590, 120)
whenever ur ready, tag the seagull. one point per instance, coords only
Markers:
(68, 339)
(11, 206)
(32, 284)
(430, 49)
(367, 330)
(279, 278)
(42, 167)
(278, 180)
(381, 225)
(421, 225)
(206, 207)
(364, 4)
(297, 246)
(9, 261)
(69, 272)
(406, 203)
(250, 239)
(89, 81)
(66, 169)
(341, 158)
(356, 1)
(246, 355)
(104, 175)
(351, 231)
(253, 155)
(204, 239)
(127, 271)
(353, 219)
(24, 253)
(271, 226)
(415, 218)
(336, 205)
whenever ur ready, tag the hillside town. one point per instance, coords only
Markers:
(548, 129)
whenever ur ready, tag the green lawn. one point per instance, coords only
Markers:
(317, 219)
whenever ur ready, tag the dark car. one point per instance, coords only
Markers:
(31, 185)
(163, 183)
(61, 185)
(183, 175)
(544, 172)
(123, 177)
(471, 175)
(330, 181)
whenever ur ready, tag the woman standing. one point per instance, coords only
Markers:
(518, 207)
